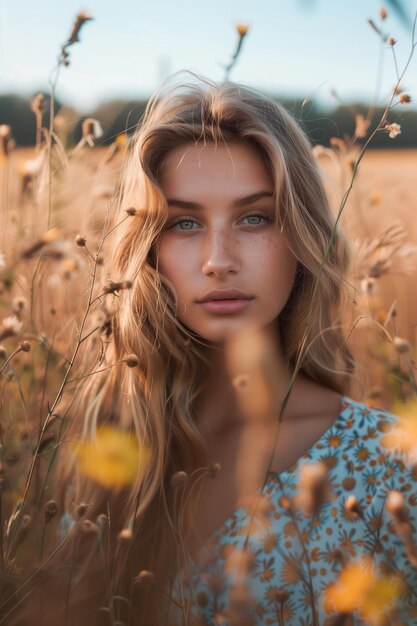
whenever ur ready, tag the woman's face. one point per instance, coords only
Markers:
(221, 234)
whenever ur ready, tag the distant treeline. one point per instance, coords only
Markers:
(120, 116)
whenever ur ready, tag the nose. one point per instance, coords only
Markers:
(220, 254)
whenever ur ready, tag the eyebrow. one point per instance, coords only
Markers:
(254, 197)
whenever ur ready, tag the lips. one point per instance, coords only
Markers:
(226, 307)
(225, 294)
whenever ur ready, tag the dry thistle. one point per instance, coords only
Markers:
(25, 346)
(383, 13)
(50, 510)
(80, 241)
(392, 41)
(131, 211)
(132, 360)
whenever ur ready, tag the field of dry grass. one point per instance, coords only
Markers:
(55, 201)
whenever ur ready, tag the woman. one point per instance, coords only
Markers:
(236, 376)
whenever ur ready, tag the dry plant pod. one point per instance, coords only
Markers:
(314, 488)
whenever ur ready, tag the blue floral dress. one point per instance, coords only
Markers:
(275, 564)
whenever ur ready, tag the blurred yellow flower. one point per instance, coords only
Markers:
(113, 459)
(121, 140)
(360, 589)
(404, 434)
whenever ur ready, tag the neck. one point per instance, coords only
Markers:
(247, 382)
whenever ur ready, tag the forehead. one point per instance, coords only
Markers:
(193, 166)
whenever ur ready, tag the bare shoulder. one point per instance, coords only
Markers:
(313, 400)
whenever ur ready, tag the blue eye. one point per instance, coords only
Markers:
(182, 222)
(190, 221)
(248, 217)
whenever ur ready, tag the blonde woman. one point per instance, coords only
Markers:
(237, 384)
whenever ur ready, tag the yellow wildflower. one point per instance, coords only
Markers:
(113, 459)
(404, 434)
(360, 589)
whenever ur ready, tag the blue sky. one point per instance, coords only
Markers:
(294, 47)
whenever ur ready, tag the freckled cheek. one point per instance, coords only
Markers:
(175, 262)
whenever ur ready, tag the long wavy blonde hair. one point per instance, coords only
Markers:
(155, 399)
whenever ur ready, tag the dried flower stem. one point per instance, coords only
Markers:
(60, 391)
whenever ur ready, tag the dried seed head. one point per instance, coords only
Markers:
(286, 503)
(405, 98)
(125, 535)
(81, 510)
(214, 469)
(25, 346)
(37, 104)
(88, 527)
(395, 505)
(393, 130)
(383, 13)
(179, 479)
(131, 211)
(102, 519)
(391, 41)
(314, 487)
(10, 326)
(50, 510)
(352, 506)
(132, 360)
(368, 285)
(80, 20)
(242, 29)
(241, 381)
(145, 577)
(18, 306)
(91, 128)
(51, 235)
(402, 346)
(361, 126)
(5, 131)
(112, 287)
(80, 241)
